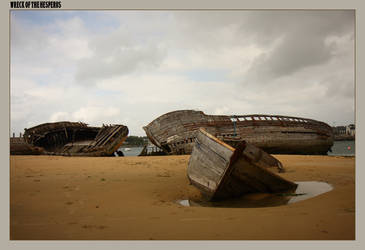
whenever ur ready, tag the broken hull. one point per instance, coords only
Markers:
(76, 138)
(174, 132)
(220, 171)
(19, 147)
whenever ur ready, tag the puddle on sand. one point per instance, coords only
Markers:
(304, 191)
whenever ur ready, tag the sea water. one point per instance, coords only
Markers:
(343, 148)
(304, 191)
(339, 148)
(132, 151)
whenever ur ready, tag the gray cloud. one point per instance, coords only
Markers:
(302, 36)
(265, 26)
(297, 63)
(293, 54)
(121, 61)
(119, 53)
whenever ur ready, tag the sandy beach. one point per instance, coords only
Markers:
(135, 198)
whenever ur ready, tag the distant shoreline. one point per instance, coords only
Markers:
(344, 138)
(132, 146)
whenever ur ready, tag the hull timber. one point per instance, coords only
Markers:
(76, 138)
(174, 132)
(19, 147)
(151, 151)
(220, 171)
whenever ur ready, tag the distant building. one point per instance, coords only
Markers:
(350, 130)
(339, 130)
(344, 132)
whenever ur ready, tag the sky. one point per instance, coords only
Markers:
(129, 67)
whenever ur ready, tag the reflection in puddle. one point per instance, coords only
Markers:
(305, 190)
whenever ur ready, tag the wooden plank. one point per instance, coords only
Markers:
(208, 162)
(263, 133)
(221, 171)
(59, 138)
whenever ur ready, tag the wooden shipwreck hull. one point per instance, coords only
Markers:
(76, 138)
(174, 132)
(220, 171)
(19, 147)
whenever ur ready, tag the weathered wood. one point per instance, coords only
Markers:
(260, 157)
(76, 138)
(221, 171)
(19, 147)
(174, 132)
(208, 162)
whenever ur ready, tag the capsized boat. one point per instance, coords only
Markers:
(220, 171)
(76, 138)
(174, 132)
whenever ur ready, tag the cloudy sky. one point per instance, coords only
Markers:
(129, 67)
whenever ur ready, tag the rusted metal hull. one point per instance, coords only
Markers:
(220, 171)
(174, 132)
(76, 138)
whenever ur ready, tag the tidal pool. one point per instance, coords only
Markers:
(304, 191)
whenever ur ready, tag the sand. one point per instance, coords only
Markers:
(134, 198)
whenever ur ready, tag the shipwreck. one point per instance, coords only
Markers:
(220, 171)
(75, 139)
(19, 147)
(174, 132)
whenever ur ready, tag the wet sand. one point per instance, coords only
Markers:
(134, 198)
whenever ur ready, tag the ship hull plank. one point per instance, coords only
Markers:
(175, 132)
(220, 171)
(76, 138)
